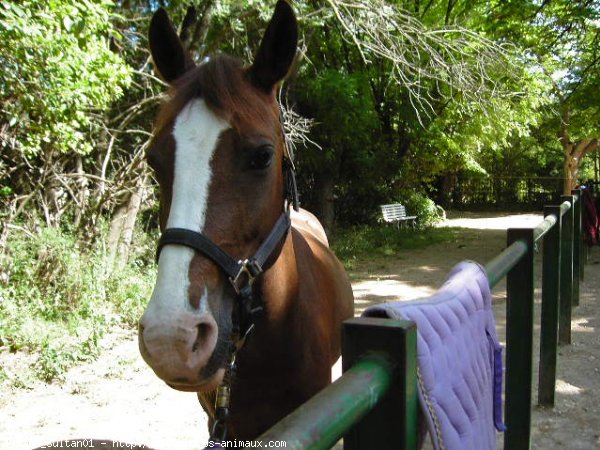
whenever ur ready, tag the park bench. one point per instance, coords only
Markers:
(396, 213)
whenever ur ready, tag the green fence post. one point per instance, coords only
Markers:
(550, 302)
(582, 246)
(322, 421)
(519, 344)
(577, 245)
(566, 274)
(392, 423)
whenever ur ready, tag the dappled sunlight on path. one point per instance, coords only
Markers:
(418, 273)
(369, 292)
(483, 221)
(574, 422)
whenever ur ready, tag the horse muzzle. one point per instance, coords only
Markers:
(179, 351)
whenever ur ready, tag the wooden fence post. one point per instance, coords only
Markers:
(577, 245)
(392, 423)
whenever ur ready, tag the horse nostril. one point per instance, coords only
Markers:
(202, 335)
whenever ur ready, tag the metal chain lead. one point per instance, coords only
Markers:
(223, 400)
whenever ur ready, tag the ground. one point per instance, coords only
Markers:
(118, 401)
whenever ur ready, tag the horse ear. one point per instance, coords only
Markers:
(277, 48)
(171, 60)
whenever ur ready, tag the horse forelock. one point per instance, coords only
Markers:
(223, 82)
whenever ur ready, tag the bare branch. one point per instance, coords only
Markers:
(296, 127)
(450, 59)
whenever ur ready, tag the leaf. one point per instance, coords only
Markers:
(5, 191)
(68, 23)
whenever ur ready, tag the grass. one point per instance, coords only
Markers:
(58, 300)
(367, 242)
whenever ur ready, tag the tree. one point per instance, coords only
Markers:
(59, 77)
(561, 40)
(442, 93)
(401, 95)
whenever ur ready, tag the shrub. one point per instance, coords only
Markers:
(57, 300)
(370, 241)
(423, 207)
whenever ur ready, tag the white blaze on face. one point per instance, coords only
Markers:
(196, 132)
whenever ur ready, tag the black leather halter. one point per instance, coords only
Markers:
(242, 273)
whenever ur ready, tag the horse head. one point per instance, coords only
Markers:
(218, 153)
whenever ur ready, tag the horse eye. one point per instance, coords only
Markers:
(262, 157)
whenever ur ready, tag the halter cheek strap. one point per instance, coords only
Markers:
(291, 188)
(241, 273)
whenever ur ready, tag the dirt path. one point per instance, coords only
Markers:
(118, 397)
(574, 423)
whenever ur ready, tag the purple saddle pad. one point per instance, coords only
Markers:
(459, 359)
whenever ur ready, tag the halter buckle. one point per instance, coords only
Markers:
(291, 187)
(249, 269)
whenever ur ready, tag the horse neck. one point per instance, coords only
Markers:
(279, 286)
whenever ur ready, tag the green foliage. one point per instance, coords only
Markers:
(59, 299)
(45, 275)
(365, 242)
(418, 204)
(346, 128)
(57, 68)
(56, 357)
(559, 42)
(342, 106)
(379, 142)
(469, 139)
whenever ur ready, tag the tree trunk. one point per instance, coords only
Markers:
(574, 154)
(81, 192)
(447, 186)
(195, 27)
(570, 171)
(114, 234)
(325, 200)
(122, 226)
(574, 151)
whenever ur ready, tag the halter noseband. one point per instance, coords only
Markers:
(241, 273)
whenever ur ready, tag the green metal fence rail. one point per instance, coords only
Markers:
(374, 403)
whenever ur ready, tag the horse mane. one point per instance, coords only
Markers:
(223, 82)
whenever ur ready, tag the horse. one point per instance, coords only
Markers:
(249, 299)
